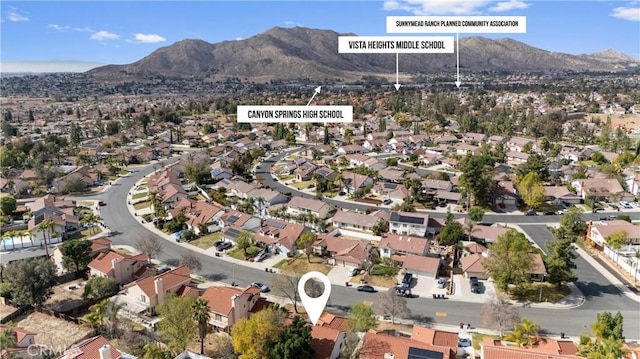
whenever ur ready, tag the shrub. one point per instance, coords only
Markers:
(384, 270)
(5, 290)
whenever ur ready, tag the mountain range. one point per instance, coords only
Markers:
(297, 53)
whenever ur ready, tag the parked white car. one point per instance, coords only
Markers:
(353, 271)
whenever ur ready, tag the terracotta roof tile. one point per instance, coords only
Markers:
(89, 349)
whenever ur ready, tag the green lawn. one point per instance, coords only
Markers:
(141, 205)
(207, 241)
(140, 195)
(550, 293)
(86, 233)
(303, 184)
(238, 253)
(300, 265)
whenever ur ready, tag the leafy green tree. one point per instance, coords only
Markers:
(624, 217)
(536, 163)
(617, 239)
(76, 252)
(294, 342)
(379, 227)
(253, 337)
(305, 242)
(32, 280)
(244, 241)
(525, 332)
(8, 205)
(362, 317)
(572, 221)
(201, 315)
(509, 261)
(477, 177)
(99, 287)
(452, 231)
(176, 326)
(531, 190)
(560, 262)
(476, 214)
(608, 330)
(7, 339)
(153, 351)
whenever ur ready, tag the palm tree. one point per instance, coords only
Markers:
(201, 315)
(46, 226)
(9, 234)
(7, 339)
(110, 312)
(470, 227)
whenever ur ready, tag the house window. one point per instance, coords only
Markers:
(385, 250)
(143, 299)
(218, 317)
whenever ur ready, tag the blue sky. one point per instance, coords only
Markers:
(120, 32)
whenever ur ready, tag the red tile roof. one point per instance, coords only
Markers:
(170, 279)
(435, 337)
(323, 340)
(335, 322)
(89, 349)
(219, 298)
(376, 345)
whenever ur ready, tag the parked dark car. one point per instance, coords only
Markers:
(222, 245)
(406, 280)
(549, 213)
(475, 284)
(387, 202)
(366, 288)
(531, 213)
(403, 292)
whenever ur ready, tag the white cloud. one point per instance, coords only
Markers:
(149, 38)
(438, 7)
(15, 16)
(627, 13)
(509, 5)
(58, 27)
(104, 35)
(292, 24)
(82, 29)
(239, 38)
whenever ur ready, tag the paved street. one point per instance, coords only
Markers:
(125, 230)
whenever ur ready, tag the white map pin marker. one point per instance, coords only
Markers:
(314, 306)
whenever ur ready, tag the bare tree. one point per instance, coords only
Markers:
(150, 245)
(392, 305)
(286, 284)
(499, 314)
(190, 260)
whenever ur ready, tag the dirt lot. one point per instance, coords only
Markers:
(52, 331)
(629, 121)
(5, 310)
(64, 299)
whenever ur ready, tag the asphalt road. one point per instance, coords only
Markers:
(125, 229)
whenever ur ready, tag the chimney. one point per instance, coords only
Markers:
(389, 356)
(233, 300)
(159, 289)
(113, 263)
(105, 352)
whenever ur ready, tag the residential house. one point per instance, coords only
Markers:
(24, 341)
(391, 174)
(488, 234)
(517, 144)
(171, 193)
(220, 171)
(343, 251)
(326, 342)
(421, 266)
(122, 268)
(300, 205)
(94, 348)
(464, 149)
(278, 235)
(202, 214)
(396, 246)
(560, 194)
(472, 138)
(382, 346)
(350, 149)
(146, 293)
(233, 218)
(375, 164)
(99, 245)
(85, 176)
(575, 153)
(633, 183)
(228, 305)
(608, 189)
(357, 160)
(409, 223)
(265, 197)
(517, 157)
(434, 185)
(327, 173)
(505, 194)
(600, 231)
(544, 348)
(436, 337)
(305, 171)
(353, 182)
(393, 191)
(473, 266)
(360, 222)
